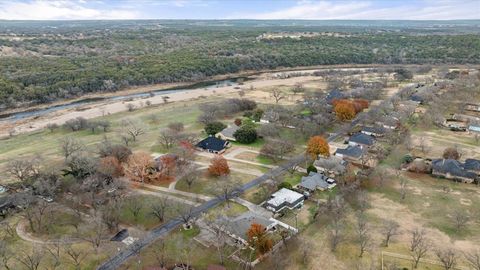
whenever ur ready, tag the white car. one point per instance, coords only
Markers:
(2, 189)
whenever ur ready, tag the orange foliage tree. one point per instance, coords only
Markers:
(139, 167)
(317, 145)
(110, 166)
(258, 238)
(166, 169)
(345, 111)
(219, 166)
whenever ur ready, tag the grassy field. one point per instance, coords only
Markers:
(204, 185)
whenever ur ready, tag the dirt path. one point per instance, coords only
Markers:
(26, 236)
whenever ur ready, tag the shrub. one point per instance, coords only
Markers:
(286, 185)
(214, 127)
(311, 168)
(245, 134)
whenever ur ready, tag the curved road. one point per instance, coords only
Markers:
(116, 261)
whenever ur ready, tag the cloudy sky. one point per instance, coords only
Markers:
(239, 9)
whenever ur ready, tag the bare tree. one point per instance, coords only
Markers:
(423, 145)
(159, 209)
(190, 176)
(31, 260)
(218, 226)
(363, 233)
(135, 207)
(278, 95)
(298, 88)
(6, 255)
(70, 146)
(225, 187)
(54, 250)
(419, 245)
(448, 258)
(473, 259)
(336, 210)
(390, 228)
(185, 211)
(460, 219)
(130, 107)
(131, 131)
(403, 187)
(23, 170)
(168, 138)
(76, 256)
(94, 232)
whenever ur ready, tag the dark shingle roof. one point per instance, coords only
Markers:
(351, 151)
(334, 94)
(240, 225)
(120, 236)
(362, 139)
(212, 143)
(472, 164)
(451, 166)
(314, 181)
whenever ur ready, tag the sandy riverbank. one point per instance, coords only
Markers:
(103, 108)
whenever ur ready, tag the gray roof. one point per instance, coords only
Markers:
(377, 130)
(472, 164)
(452, 167)
(228, 132)
(314, 181)
(351, 151)
(284, 196)
(270, 115)
(240, 225)
(362, 139)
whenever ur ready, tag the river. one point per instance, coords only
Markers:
(16, 116)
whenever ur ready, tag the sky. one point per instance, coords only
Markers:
(240, 9)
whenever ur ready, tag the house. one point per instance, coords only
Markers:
(361, 139)
(284, 198)
(417, 98)
(332, 165)
(315, 181)
(474, 128)
(389, 122)
(333, 95)
(452, 169)
(472, 107)
(455, 125)
(270, 116)
(376, 131)
(472, 165)
(120, 236)
(238, 227)
(351, 153)
(227, 133)
(212, 144)
(465, 117)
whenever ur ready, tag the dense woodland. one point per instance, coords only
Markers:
(43, 62)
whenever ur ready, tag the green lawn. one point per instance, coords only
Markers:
(204, 185)
(144, 219)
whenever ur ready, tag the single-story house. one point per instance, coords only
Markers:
(269, 116)
(417, 98)
(376, 131)
(120, 236)
(238, 227)
(472, 107)
(455, 125)
(315, 181)
(332, 165)
(284, 198)
(389, 122)
(212, 144)
(452, 169)
(472, 165)
(351, 153)
(465, 117)
(227, 133)
(333, 95)
(361, 139)
(474, 128)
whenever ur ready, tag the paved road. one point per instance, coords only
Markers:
(119, 258)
